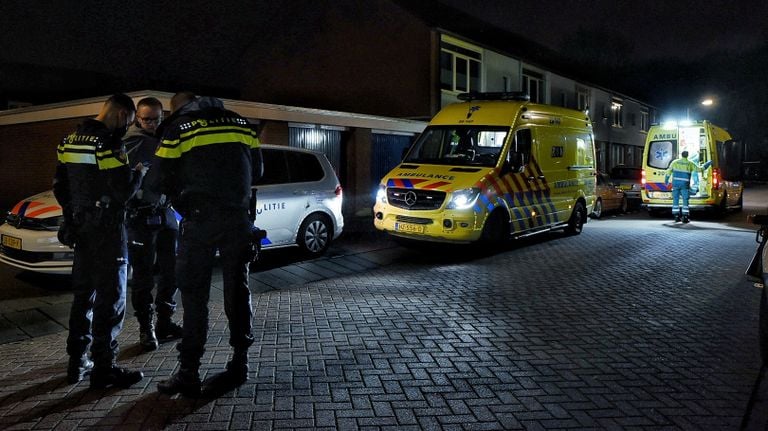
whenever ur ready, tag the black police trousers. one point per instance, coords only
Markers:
(203, 231)
(99, 275)
(147, 244)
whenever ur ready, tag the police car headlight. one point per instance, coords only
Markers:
(462, 199)
(381, 194)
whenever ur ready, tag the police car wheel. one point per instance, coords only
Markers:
(597, 211)
(576, 222)
(315, 234)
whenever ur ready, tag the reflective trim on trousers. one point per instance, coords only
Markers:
(678, 193)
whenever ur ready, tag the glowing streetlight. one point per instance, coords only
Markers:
(706, 102)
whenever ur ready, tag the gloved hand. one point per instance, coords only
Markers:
(67, 234)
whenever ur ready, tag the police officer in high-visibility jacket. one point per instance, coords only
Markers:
(207, 161)
(680, 171)
(92, 184)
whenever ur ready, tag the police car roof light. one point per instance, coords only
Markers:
(501, 95)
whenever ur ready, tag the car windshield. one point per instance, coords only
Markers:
(459, 145)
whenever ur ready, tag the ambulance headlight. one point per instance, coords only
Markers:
(463, 199)
(381, 194)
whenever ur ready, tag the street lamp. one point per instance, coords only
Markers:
(705, 102)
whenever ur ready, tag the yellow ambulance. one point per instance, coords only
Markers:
(489, 168)
(718, 187)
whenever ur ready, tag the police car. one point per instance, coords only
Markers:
(28, 236)
(299, 204)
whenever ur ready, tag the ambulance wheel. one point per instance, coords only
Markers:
(597, 210)
(577, 220)
(315, 235)
(496, 230)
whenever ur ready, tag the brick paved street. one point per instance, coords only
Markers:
(606, 330)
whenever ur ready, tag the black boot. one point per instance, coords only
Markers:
(167, 329)
(186, 382)
(101, 377)
(147, 338)
(78, 368)
(237, 368)
(685, 219)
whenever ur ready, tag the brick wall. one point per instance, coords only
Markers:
(28, 157)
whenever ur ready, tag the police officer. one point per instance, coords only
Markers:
(208, 159)
(92, 184)
(680, 170)
(152, 234)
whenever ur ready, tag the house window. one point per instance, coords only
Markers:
(533, 85)
(644, 120)
(582, 99)
(618, 153)
(617, 113)
(459, 68)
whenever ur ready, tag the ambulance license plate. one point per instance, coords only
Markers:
(408, 227)
(11, 242)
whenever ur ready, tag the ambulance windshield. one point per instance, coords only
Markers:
(459, 145)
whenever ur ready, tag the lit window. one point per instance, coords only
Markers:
(644, 120)
(533, 85)
(582, 99)
(459, 68)
(617, 113)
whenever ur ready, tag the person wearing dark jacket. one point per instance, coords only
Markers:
(93, 182)
(208, 159)
(152, 234)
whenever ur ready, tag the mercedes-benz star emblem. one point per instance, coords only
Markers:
(410, 199)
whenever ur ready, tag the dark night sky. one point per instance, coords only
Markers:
(685, 29)
(188, 40)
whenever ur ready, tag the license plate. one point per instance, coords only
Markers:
(408, 227)
(11, 242)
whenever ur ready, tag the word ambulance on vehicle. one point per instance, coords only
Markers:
(489, 168)
(718, 187)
